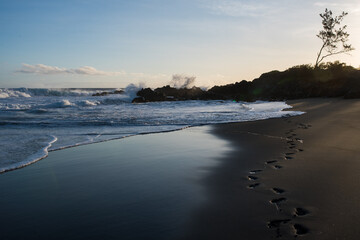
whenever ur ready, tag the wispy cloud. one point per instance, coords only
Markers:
(351, 7)
(236, 8)
(43, 69)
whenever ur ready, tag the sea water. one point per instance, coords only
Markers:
(36, 121)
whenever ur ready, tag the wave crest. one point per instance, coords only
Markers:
(7, 93)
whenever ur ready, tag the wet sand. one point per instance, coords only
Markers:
(287, 178)
(141, 187)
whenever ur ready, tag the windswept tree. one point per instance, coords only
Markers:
(333, 36)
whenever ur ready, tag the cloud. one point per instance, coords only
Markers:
(330, 4)
(50, 70)
(238, 8)
(86, 70)
(351, 7)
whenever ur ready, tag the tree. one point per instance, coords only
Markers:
(334, 39)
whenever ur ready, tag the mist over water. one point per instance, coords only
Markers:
(35, 121)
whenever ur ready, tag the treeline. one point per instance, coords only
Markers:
(304, 81)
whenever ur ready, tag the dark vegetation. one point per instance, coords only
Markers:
(304, 81)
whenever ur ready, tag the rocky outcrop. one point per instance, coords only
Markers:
(168, 93)
(329, 80)
(149, 95)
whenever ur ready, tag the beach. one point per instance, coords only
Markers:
(267, 179)
(297, 176)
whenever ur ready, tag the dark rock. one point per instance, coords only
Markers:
(100, 94)
(118, 92)
(108, 93)
(138, 100)
(149, 95)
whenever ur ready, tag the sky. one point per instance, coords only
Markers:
(113, 43)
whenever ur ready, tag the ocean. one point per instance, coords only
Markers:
(35, 121)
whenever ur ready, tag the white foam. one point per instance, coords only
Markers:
(7, 93)
(132, 89)
(9, 106)
(61, 104)
(261, 106)
(85, 103)
(41, 154)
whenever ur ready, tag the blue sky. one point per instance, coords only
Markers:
(109, 43)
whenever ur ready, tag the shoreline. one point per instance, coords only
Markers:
(43, 153)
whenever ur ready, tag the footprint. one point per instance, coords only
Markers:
(289, 153)
(278, 190)
(252, 178)
(297, 150)
(299, 212)
(252, 186)
(277, 167)
(288, 158)
(277, 223)
(304, 126)
(271, 161)
(300, 150)
(301, 125)
(255, 171)
(300, 229)
(278, 200)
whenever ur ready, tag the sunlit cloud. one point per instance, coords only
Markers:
(43, 69)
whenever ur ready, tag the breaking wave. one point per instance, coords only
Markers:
(7, 93)
(57, 92)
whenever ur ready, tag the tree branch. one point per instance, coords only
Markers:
(330, 54)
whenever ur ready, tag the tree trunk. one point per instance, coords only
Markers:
(318, 56)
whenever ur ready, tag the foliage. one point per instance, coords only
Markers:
(334, 39)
